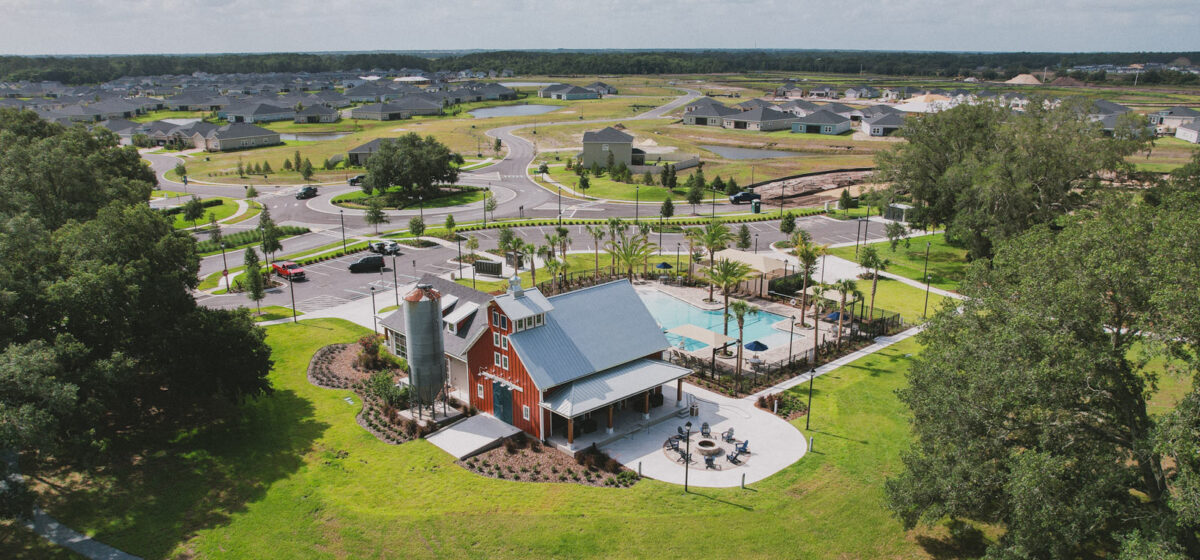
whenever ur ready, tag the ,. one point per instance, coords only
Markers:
(373, 263)
(744, 196)
(308, 191)
(384, 247)
(288, 269)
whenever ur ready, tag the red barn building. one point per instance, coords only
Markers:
(569, 363)
(557, 367)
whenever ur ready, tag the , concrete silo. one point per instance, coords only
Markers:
(426, 350)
